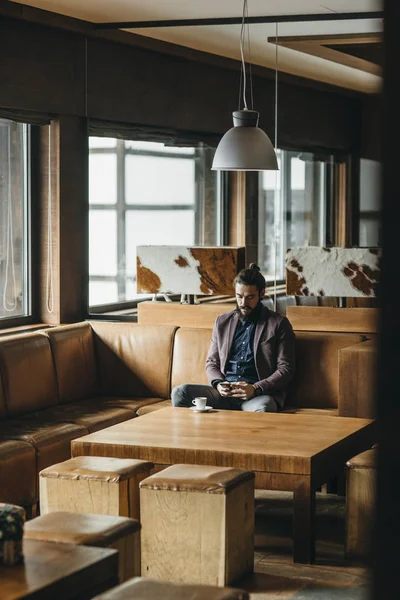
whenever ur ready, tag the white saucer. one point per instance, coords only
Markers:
(205, 409)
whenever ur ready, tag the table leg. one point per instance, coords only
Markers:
(304, 523)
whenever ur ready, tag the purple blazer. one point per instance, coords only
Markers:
(274, 351)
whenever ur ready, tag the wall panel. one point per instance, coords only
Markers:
(41, 68)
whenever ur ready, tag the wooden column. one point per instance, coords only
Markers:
(63, 221)
(243, 213)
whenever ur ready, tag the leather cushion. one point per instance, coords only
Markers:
(316, 380)
(73, 351)
(29, 377)
(18, 473)
(145, 589)
(134, 404)
(144, 410)
(326, 412)
(77, 528)
(52, 441)
(91, 414)
(133, 360)
(97, 468)
(197, 478)
(189, 357)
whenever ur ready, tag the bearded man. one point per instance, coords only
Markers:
(251, 359)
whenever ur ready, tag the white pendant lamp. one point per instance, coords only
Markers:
(245, 147)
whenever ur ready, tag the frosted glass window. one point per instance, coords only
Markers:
(295, 215)
(159, 227)
(102, 142)
(14, 224)
(298, 175)
(103, 292)
(272, 179)
(102, 178)
(159, 180)
(102, 242)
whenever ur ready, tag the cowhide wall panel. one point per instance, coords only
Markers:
(182, 270)
(345, 272)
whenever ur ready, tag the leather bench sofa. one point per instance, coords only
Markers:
(64, 382)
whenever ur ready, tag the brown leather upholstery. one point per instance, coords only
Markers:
(365, 460)
(28, 374)
(197, 478)
(316, 381)
(73, 351)
(307, 300)
(18, 473)
(133, 360)
(91, 414)
(145, 589)
(52, 441)
(97, 468)
(189, 357)
(79, 528)
(3, 405)
(268, 302)
(299, 410)
(133, 404)
(144, 410)
(282, 302)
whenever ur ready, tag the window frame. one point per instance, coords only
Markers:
(122, 208)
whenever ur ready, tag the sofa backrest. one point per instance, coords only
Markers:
(316, 381)
(189, 356)
(133, 360)
(74, 359)
(28, 373)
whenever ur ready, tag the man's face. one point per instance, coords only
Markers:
(247, 298)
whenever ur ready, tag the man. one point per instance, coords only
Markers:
(251, 358)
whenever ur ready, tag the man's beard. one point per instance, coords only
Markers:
(249, 315)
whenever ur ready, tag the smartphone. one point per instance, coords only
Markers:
(226, 384)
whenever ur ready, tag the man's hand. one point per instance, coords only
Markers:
(242, 390)
(224, 388)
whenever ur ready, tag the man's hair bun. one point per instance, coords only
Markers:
(254, 266)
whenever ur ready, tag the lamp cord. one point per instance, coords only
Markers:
(249, 60)
(242, 36)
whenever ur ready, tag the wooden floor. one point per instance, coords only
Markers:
(276, 577)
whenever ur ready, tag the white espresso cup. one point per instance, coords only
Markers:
(200, 402)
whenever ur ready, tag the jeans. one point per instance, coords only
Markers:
(182, 396)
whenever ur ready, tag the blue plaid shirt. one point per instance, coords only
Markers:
(241, 365)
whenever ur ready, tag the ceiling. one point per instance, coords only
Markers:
(223, 40)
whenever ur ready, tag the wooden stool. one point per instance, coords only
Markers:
(360, 502)
(144, 589)
(198, 524)
(93, 484)
(104, 531)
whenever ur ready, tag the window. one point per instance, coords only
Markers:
(14, 220)
(144, 193)
(292, 209)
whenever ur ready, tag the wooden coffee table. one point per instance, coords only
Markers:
(286, 451)
(54, 571)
